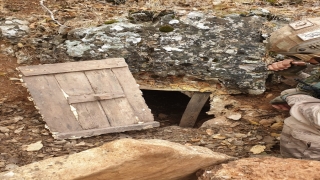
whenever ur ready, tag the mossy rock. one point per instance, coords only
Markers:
(166, 28)
(272, 2)
(110, 21)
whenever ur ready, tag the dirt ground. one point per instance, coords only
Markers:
(21, 124)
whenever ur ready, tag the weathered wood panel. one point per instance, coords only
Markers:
(90, 114)
(52, 104)
(87, 98)
(88, 133)
(133, 94)
(93, 97)
(72, 67)
(118, 111)
(193, 109)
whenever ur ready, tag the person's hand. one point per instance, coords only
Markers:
(283, 106)
(281, 103)
(284, 64)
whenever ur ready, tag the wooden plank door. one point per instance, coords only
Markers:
(90, 114)
(51, 103)
(81, 99)
(118, 110)
(133, 94)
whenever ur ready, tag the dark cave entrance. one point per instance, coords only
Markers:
(169, 106)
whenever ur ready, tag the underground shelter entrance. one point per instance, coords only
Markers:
(168, 107)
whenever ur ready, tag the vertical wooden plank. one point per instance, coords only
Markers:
(133, 94)
(118, 110)
(90, 114)
(52, 104)
(193, 109)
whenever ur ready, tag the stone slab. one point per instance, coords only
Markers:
(123, 159)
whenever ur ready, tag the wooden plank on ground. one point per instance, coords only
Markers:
(193, 109)
(118, 111)
(133, 94)
(88, 133)
(52, 104)
(72, 66)
(90, 114)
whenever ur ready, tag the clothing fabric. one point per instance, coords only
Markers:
(300, 137)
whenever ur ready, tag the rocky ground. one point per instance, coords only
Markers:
(24, 138)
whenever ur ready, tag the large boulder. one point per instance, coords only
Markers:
(264, 169)
(123, 159)
(195, 45)
(196, 51)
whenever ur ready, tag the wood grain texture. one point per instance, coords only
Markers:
(82, 99)
(72, 67)
(133, 94)
(52, 104)
(90, 114)
(193, 109)
(93, 97)
(88, 133)
(119, 110)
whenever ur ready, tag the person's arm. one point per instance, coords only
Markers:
(287, 63)
(284, 64)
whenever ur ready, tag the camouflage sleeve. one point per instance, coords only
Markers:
(305, 108)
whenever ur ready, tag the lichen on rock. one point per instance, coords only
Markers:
(13, 29)
(166, 28)
(199, 47)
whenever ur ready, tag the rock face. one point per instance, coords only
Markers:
(162, 47)
(265, 169)
(194, 45)
(123, 159)
(13, 29)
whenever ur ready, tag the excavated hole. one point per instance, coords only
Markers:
(169, 106)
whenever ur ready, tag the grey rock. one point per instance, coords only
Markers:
(261, 11)
(13, 29)
(201, 46)
(21, 22)
(141, 16)
(76, 48)
(22, 57)
(7, 50)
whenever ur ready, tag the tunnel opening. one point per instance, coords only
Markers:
(169, 106)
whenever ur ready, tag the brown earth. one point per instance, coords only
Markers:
(21, 124)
